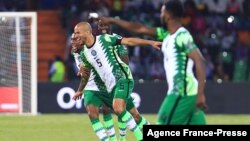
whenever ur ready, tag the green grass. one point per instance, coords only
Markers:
(75, 127)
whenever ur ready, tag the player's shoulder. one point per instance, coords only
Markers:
(183, 34)
(104, 36)
(160, 29)
(182, 31)
(116, 35)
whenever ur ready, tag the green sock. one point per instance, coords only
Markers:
(142, 121)
(122, 129)
(126, 117)
(99, 130)
(109, 125)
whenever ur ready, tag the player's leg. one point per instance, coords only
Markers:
(122, 130)
(198, 118)
(176, 109)
(108, 122)
(140, 120)
(121, 93)
(92, 104)
(108, 100)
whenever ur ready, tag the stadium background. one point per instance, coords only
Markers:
(221, 29)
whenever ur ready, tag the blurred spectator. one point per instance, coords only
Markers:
(217, 6)
(156, 70)
(220, 75)
(219, 29)
(57, 70)
(201, 7)
(209, 67)
(233, 7)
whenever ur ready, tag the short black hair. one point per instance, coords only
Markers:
(175, 7)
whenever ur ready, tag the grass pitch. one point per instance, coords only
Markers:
(75, 127)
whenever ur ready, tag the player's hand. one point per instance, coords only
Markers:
(201, 101)
(156, 45)
(78, 95)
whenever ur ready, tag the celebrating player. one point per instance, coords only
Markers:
(92, 100)
(93, 97)
(98, 54)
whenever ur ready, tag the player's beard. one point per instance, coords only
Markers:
(82, 40)
(164, 23)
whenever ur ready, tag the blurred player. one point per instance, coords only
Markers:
(160, 33)
(98, 54)
(185, 94)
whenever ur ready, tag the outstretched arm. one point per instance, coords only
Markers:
(130, 26)
(140, 42)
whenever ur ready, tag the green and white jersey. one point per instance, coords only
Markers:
(94, 82)
(178, 67)
(161, 33)
(103, 58)
(91, 85)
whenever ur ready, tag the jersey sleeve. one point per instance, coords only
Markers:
(114, 40)
(78, 60)
(122, 50)
(186, 42)
(161, 33)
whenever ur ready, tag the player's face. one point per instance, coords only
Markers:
(104, 28)
(164, 16)
(76, 42)
(80, 34)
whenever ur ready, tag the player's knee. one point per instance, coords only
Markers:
(118, 110)
(92, 112)
(92, 115)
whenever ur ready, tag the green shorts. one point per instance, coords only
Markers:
(97, 98)
(180, 110)
(93, 98)
(123, 89)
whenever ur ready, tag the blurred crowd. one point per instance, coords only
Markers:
(221, 29)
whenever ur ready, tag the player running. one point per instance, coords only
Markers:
(99, 55)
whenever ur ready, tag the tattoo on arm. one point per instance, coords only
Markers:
(84, 80)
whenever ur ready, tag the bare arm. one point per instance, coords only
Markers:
(200, 69)
(140, 42)
(130, 26)
(83, 83)
(84, 79)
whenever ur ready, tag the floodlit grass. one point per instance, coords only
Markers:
(75, 127)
